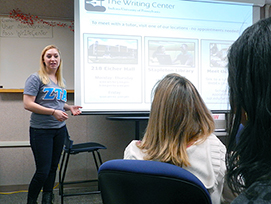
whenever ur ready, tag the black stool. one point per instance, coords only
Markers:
(72, 149)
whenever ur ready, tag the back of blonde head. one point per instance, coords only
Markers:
(178, 117)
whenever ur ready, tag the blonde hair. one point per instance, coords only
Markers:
(42, 71)
(178, 117)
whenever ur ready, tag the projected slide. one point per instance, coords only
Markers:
(123, 47)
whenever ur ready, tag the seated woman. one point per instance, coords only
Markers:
(180, 132)
(248, 154)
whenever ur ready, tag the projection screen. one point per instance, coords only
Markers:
(123, 47)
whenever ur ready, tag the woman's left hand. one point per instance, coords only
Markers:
(75, 110)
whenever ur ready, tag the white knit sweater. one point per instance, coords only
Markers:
(207, 161)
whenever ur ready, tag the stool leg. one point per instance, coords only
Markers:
(100, 158)
(60, 172)
(95, 160)
(61, 183)
(100, 163)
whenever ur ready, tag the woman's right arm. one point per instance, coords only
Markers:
(31, 105)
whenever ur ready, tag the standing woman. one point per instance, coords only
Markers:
(45, 96)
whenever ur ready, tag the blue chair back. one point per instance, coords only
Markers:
(149, 182)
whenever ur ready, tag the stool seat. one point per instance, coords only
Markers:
(72, 149)
(84, 147)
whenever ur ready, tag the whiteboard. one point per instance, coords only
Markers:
(21, 46)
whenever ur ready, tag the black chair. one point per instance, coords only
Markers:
(149, 182)
(72, 149)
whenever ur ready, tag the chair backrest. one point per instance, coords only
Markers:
(149, 182)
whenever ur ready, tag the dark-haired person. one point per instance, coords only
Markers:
(248, 157)
(180, 132)
(45, 96)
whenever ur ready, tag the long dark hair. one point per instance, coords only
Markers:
(249, 159)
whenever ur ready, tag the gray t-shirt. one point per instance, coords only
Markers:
(47, 95)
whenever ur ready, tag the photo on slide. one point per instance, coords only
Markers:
(177, 53)
(106, 50)
(218, 54)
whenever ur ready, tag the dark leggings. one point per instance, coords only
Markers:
(46, 145)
